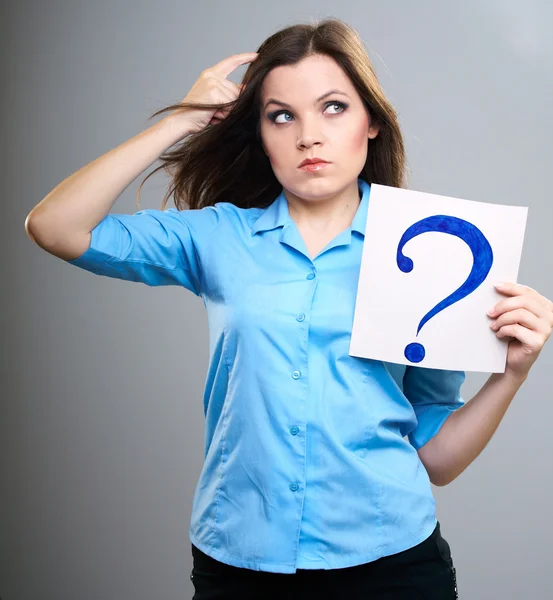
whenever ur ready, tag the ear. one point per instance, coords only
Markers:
(373, 131)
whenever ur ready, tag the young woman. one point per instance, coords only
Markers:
(318, 465)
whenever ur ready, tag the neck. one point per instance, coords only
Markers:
(322, 214)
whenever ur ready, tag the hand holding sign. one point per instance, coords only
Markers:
(527, 317)
(408, 264)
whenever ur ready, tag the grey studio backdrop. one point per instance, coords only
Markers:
(101, 439)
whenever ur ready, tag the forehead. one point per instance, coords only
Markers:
(307, 79)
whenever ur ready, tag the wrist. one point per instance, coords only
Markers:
(515, 378)
(177, 125)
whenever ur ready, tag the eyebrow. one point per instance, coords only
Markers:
(330, 92)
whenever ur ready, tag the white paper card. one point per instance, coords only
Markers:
(456, 246)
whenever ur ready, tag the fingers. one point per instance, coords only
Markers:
(227, 65)
(232, 91)
(235, 91)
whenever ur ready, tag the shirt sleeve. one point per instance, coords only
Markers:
(151, 246)
(434, 395)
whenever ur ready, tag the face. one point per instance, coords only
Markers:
(336, 127)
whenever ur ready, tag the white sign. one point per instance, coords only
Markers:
(426, 281)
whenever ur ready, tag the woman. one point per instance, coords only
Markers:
(318, 464)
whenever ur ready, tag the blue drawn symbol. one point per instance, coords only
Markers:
(483, 259)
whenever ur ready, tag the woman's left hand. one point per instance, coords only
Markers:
(527, 318)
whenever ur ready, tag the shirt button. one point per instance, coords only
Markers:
(294, 430)
(294, 486)
(311, 276)
(300, 317)
(296, 374)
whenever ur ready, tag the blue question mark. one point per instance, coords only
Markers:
(483, 259)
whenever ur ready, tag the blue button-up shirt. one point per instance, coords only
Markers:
(310, 454)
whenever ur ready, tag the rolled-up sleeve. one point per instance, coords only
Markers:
(151, 246)
(434, 395)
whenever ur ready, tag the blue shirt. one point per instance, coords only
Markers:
(310, 456)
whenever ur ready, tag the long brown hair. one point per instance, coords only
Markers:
(225, 162)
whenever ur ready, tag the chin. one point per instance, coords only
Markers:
(314, 185)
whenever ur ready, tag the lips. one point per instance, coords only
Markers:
(311, 161)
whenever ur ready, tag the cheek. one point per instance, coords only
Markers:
(271, 147)
(360, 137)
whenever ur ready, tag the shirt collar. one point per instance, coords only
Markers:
(278, 215)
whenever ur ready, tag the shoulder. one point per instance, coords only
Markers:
(239, 214)
(221, 218)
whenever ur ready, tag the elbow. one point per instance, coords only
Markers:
(441, 479)
(29, 228)
(34, 233)
(36, 230)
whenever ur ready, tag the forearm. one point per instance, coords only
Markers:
(84, 198)
(467, 431)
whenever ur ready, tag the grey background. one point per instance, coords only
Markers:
(101, 417)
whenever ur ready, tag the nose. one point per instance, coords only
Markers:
(308, 135)
(306, 141)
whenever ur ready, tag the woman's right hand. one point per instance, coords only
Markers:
(212, 87)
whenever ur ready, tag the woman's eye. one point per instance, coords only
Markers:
(273, 116)
(339, 104)
(280, 114)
